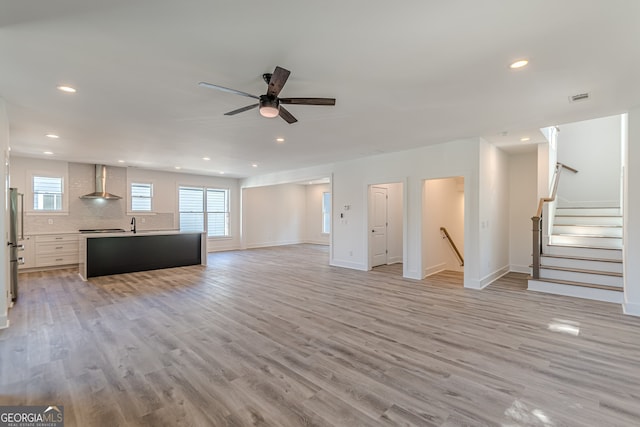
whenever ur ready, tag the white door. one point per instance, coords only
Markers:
(378, 225)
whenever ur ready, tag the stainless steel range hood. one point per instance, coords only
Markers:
(101, 179)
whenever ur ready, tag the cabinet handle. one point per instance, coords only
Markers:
(59, 238)
(59, 247)
(59, 259)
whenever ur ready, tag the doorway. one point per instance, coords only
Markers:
(385, 224)
(443, 225)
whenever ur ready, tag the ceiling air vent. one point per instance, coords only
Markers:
(579, 97)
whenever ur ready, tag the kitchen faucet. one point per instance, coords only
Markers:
(133, 225)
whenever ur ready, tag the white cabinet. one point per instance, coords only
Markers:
(56, 249)
(27, 253)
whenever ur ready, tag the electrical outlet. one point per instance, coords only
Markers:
(142, 220)
(50, 221)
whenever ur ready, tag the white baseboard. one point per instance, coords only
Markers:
(317, 242)
(430, 271)
(271, 244)
(414, 275)
(473, 284)
(4, 322)
(222, 244)
(520, 268)
(223, 248)
(394, 260)
(492, 277)
(576, 291)
(631, 309)
(347, 264)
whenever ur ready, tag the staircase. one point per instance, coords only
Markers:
(583, 257)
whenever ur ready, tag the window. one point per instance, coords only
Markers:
(200, 206)
(326, 212)
(141, 195)
(217, 212)
(191, 201)
(47, 193)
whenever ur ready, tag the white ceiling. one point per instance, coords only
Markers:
(405, 74)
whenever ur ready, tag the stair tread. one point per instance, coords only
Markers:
(581, 270)
(583, 247)
(587, 225)
(588, 207)
(588, 216)
(579, 284)
(599, 236)
(579, 258)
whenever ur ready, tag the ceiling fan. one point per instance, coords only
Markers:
(270, 104)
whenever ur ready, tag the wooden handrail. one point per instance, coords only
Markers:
(537, 220)
(453, 245)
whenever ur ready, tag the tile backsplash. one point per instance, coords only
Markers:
(95, 213)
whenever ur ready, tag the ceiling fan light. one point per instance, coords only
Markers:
(269, 111)
(269, 107)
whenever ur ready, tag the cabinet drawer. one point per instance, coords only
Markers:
(56, 248)
(49, 260)
(57, 238)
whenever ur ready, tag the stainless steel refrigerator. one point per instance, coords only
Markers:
(14, 243)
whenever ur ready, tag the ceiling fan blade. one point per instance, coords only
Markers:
(226, 89)
(308, 101)
(277, 81)
(241, 110)
(287, 116)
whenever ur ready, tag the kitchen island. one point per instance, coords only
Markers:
(116, 253)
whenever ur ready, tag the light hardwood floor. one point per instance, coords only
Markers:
(276, 337)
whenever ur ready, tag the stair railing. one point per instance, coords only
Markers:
(453, 245)
(537, 220)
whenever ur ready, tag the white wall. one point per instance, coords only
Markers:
(4, 229)
(523, 203)
(598, 181)
(273, 215)
(494, 213)
(631, 250)
(283, 214)
(443, 206)
(351, 180)
(313, 217)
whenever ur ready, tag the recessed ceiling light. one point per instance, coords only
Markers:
(178, 167)
(221, 172)
(48, 153)
(52, 136)
(206, 158)
(525, 139)
(254, 165)
(280, 140)
(67, 89)
(120, 161)
(519, 63)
